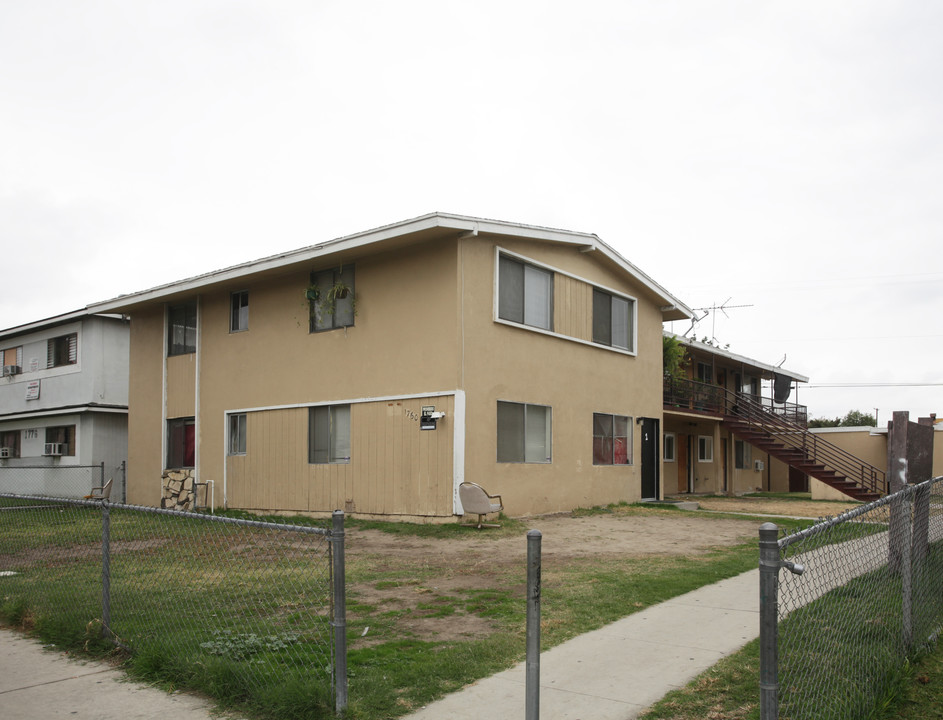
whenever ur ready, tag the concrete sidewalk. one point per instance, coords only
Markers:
(617, 671)
(40, 683)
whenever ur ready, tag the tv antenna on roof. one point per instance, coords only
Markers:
(723, 307)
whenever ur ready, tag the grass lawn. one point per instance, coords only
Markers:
(419, 624)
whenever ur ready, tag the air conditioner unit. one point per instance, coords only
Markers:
(11, 370)
(6, 452)
(758, 465)
(56, 449)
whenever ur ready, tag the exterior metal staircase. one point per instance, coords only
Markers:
(781, 432)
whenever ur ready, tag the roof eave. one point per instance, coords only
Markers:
(671, 307)
(772, 369)
(49, 322)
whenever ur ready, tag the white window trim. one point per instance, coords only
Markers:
(674, 447)
(633, 301)
(709, 447)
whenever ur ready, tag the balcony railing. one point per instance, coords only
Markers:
(698, 397)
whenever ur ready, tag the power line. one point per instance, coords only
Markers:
(870, 385)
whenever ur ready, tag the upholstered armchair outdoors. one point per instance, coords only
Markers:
(476, 501)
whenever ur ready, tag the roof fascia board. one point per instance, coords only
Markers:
(460, 223)
(673, 303)
(274, 262)
(45, 323)
(67, 410)
(587, 242)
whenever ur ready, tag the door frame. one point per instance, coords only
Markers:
(649, 456)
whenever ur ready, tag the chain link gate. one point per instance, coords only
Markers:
(846, 602)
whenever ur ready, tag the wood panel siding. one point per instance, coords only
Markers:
(573, 307)
(395, 468)
(181, 385)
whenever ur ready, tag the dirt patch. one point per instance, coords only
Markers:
(772, 506)
(444, 576)
(57, 555)
(433, 589)
(564, 537)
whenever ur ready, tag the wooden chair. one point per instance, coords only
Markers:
(475, 501)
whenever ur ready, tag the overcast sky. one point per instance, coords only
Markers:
(784, 156)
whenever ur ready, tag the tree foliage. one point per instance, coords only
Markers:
(674, 357)
(853, 418)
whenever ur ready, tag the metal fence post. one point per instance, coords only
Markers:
(106, 567)
(906, 574)
(124, 481)
(769, 618)
(921, 531)
(532, 681)
(340, 612)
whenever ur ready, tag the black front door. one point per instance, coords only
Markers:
(649, 458)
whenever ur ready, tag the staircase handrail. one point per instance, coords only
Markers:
(740, 406)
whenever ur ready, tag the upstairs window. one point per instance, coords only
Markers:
(181, 329)
(705, 372)
(525, 293)
(181, 443)
(331, 299)
(12, 360)
(62, 350)
(613, 319)
(612, 443)
(239, 311)
(329, 434)
(523, 433)
(750, 386)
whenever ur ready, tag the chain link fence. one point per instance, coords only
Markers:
(846, 602)
(243, 610)
(61, 481)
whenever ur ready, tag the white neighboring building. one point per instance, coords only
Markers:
(63, 402)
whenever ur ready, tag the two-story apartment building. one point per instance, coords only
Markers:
(702, 454)
(378, 371)
(63, 401)
(724, 435)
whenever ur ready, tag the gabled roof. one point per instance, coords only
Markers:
(420, 229)
(767, 370)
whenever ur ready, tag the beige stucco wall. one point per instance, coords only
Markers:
(708, 477)
(510, 363)
(870, 448)
(778, 475)
(425, 333)
(403, 341)
(145, 396)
